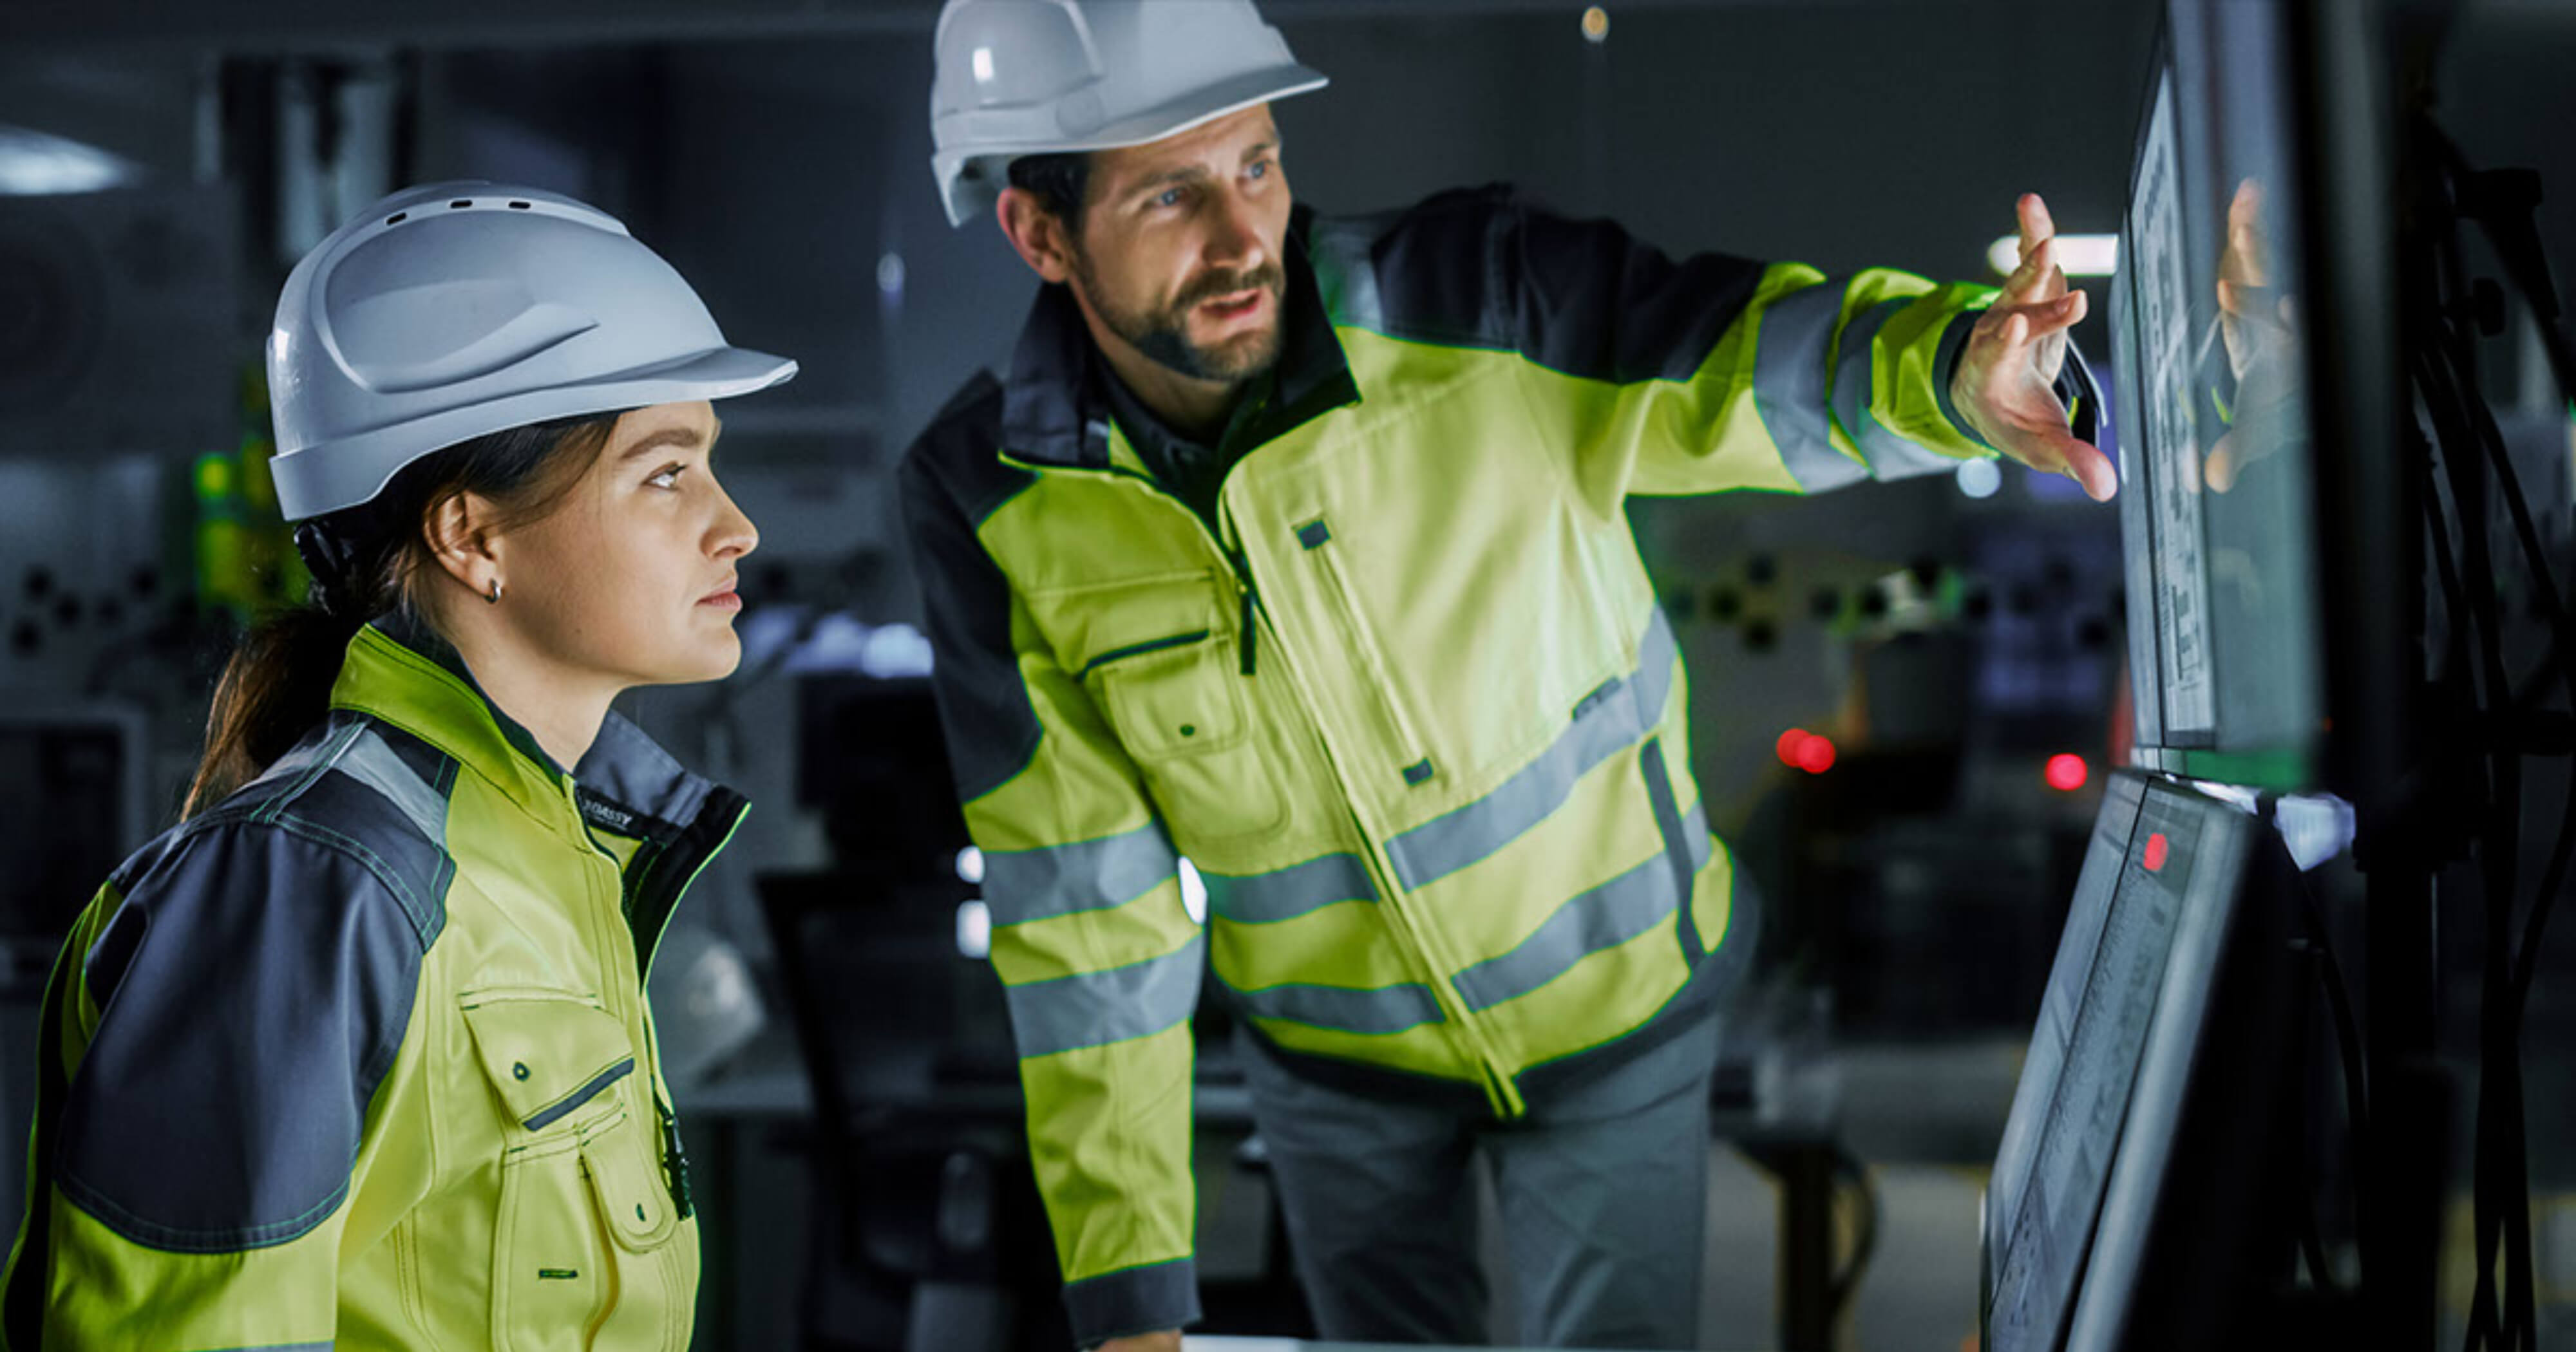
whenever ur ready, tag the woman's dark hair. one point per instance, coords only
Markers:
(1061, 181)
(367, 560)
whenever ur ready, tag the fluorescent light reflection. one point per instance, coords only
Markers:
(2078, 255)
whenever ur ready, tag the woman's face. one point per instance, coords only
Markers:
(632, 576)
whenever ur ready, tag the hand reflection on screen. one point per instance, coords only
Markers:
(2257, 330)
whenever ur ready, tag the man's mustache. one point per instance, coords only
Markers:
(1267, 277)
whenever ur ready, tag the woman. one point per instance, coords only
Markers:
(357, 1055)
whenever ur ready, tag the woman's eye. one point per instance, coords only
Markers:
(667, 477)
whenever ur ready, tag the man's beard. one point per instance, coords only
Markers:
(1164, 336)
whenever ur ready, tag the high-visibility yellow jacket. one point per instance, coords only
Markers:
(1407, 703)
(360, 1058)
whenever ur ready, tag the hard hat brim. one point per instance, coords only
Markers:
(327, 476)
(1197, 108)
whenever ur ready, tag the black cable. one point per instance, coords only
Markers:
(2347, 1038)
(2522, 959)
(2483, 1320)
(2347, 1029)
(2527, 534)
(2535, 923)
(2502, 1223)
(2454, 596)
(2488, 1326)
(2504, 206)
(2526, 265)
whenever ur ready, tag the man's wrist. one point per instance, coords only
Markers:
(1947, 357)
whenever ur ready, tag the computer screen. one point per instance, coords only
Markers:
(2200, 1191)
(2220, 527)
(2119, 1029)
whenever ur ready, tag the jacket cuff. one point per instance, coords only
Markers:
(1945, 368)
(1133, 1300)
(2082, 395)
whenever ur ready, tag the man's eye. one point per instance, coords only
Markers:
(1260, 169)
(1170, 197)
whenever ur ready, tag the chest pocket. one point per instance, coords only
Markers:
(1161, 660)
(579, 1184)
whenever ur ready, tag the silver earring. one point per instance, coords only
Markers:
(495, 597)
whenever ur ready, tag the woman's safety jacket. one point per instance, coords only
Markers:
(360, 1057)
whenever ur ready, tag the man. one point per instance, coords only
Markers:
(1295, 547)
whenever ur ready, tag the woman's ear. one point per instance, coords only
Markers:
(458, 530)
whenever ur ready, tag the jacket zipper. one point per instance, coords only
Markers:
(1500, 1093)
(1249, 595)
(1390, 710)
(675, 1159)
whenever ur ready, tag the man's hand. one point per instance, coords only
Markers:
(2006, 382)
(2260, 329)
(1169, 1340)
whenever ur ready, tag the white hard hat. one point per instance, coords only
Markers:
(454, 310)
(1035, 77)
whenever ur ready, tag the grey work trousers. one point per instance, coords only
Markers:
(1601, 1192)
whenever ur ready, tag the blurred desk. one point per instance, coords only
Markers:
(1220, 1343)
(766, 1088)
(759, 1109)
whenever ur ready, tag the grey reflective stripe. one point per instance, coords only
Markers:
(1285, 894)
(1611, 721)
(1094, 1009)
(1855, 373)
(1685, 843)
(374, 764)
(1087, 875)
(1604, 917)
(1795, 333)
(1385, 1009)
(303, 761)
(555, 1112)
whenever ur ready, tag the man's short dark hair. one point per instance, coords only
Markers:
(1061, 181)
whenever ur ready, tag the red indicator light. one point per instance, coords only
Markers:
(1816, 755)
(2067, 772)
(1789, 745)
(2156, 851)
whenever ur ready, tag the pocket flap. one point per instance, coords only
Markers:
(1177, 701)
(628, 1182)
(547, 1052)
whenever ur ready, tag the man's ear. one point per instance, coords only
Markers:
(458, 530)
(1036, 233)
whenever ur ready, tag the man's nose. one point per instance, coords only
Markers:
(1234, 235)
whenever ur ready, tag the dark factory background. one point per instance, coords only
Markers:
(1906, 698)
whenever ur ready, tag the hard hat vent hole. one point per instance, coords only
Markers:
(460, 202)
(518, 206)
(398, 218)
